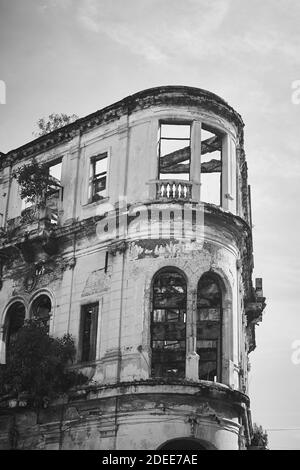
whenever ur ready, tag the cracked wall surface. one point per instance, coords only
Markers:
(108, 252)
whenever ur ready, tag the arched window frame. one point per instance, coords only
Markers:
(182, 335)
(6, 327)
(216, 279)
(38, 296)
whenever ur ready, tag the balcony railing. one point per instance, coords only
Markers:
(35, 217)
(173, 190)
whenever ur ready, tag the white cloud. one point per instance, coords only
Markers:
(157, 30)
(267, 42)
(189, 30)
(45, 5)
(193, 30)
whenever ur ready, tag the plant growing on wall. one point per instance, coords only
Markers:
(260, 438)
(53, 122)
(35, 181)
(37, 365)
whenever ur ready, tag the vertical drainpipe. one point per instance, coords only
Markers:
(249, 203)
(72, 282)
(122, 279)
(75, 197)
(239, 323)
(8, 193)
(4, 220)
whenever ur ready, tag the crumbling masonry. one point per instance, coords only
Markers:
(144, 254)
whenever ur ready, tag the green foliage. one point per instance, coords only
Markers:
(37, 364)
(53, 122)
(34, 180)
(260, 437)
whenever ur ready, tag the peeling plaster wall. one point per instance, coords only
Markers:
(78, 275)
(126, 418)
(132, 147)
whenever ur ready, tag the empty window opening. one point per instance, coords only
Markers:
(174, 151)
(98, 177)
(55, 171)
(209, 321)
(88, 334)
(168, 325)
(54, 179)
(41, 310)
(55, 191)
(14, 321)
(211, 165)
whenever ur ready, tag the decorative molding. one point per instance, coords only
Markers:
(165, 95)
(97, 282)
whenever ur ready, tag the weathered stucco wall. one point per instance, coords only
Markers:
(130, 417)
(94, 264)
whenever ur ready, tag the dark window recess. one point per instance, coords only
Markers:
(89, 324)
(174, 148)
(14, 321)
(106, 262)
(211, 165)
(209, 321)
(182, 444)
(41, 310)
(168, 325)
(98, 177)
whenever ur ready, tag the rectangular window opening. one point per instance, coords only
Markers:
(55, 171)
(168, 342)
(211, 165)
(98, 177)
(88, 332)
(174, 148)
(54, 191)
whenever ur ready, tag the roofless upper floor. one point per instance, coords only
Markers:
(166, 143)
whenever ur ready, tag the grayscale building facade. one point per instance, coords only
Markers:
(144, 254)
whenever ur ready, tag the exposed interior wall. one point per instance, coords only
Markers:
(90, 265)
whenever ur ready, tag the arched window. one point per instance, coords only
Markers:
(168, 324)
(182, 444)
(14, 321)
(41, 309)
(209, 327)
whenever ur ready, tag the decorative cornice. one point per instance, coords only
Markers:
(164, 95)
(200, 389)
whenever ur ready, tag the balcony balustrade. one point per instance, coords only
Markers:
(170, 189)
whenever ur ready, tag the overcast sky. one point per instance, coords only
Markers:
(77, 56)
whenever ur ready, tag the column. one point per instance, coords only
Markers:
(195, 159)
(192, 358)
(228, 174)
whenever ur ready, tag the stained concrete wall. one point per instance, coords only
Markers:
(123, 290)
(131, 144)
(138, 417)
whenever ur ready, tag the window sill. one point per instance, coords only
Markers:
(83, 364)
(95, 203)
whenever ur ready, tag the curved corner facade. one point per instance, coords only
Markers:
(144, 255)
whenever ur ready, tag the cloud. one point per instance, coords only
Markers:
(190, 30)
(266, 42)
(44, 5)
(156, 30)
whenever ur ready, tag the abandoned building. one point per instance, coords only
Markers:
(143, 253)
